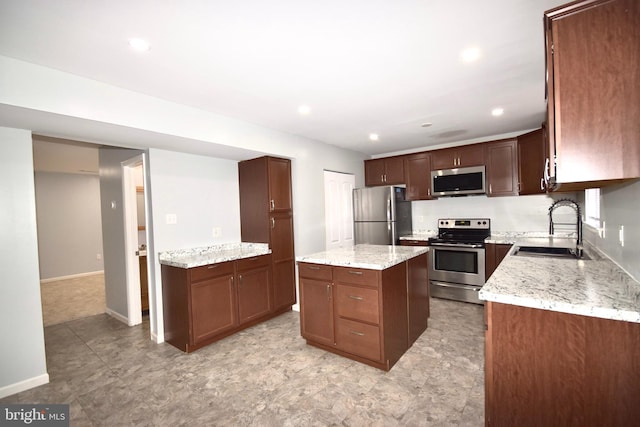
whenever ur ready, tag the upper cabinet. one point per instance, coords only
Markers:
(532, 152)
(593, 93)
(386, 171)
(502, 167)
(456, 157)
(417, 176)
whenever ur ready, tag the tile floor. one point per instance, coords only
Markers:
(113, 375)
(69, 299)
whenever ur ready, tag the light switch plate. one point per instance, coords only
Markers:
(171, 219)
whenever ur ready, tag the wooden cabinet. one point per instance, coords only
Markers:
(372, 316)
(316, 296)
(456, 157)
(417, 176)
(502, 168)
(144, 283)
(413, 242)
(494, 254)
(386, 171)
(548, 368)
(266, 216)
(593, 90)
(532, 152)
(204, 304)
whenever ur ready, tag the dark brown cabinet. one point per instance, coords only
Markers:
(502, 168)
(417, 176)
(532, 152)
(372, 316)
(386, 171)
(494, 254)
(266, 216)
(456, 157)
(547, 368)
(144, 283)
(213, 308)
(593, 93)
(254, 288)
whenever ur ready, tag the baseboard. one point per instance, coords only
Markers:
(73, 276)
(11, 389)
(117, 316)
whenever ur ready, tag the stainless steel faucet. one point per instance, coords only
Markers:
(578, 224)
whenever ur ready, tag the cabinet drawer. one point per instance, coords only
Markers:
(358, 276)
(253, 262)
(212, 270)
(358, 338)
(357, 303)
(315, 271)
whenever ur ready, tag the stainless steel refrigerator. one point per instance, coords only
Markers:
(381, 215)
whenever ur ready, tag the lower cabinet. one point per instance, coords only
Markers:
(204, 304)
(546, 368)
(372, 316)
(494, 254)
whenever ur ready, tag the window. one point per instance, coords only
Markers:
(592, 207)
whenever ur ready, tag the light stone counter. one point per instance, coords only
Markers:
(196, 257)
(510, 237)
(420, 235)
(374, 257)
(594, 287)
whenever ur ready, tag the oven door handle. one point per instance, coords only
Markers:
(461, 245)
(456, 286)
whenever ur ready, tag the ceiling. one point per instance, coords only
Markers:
(362, 66)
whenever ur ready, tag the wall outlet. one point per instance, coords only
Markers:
(420, 218)
(217, 232)
(171, 218)
(621, 235)
(98, 257)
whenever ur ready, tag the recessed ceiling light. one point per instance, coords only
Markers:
(426, 124)
(139, 44)
(470, 54)
(304, 110)
(374, 137)
(497, 112)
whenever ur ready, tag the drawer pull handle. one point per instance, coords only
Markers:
(211, 267)
(253, 259)
(314, 268)
(360, 334)
(357, 273)
(356, 297)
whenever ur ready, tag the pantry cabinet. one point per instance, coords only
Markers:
(593, 93)
(385, 171)
(502, 168)
(266, 216)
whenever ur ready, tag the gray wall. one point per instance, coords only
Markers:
(620, 205)
(22, 354)
(115, 273)
(69, 224)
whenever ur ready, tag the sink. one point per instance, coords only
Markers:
(544, 251)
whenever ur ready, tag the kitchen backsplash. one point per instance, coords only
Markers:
(521, 213)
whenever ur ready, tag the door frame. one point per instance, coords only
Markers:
(130, 213)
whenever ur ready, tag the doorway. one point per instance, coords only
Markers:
(338, 209)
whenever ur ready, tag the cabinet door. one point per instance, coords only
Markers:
(531, 158)
(444, 159)
(417, 172)
(212, 307)
(254, 294)
(502, 168)
(394, 170)
(279, 184)
(316, 311)
(471, 155)
(374, 172)
(594, 91)
(282, 253)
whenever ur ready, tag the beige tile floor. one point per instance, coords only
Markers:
(113, 375)
(71, 299)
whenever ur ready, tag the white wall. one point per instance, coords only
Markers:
(69, 224)
(22, 354)
(516, 213)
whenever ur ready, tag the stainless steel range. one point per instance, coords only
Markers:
(458, 258)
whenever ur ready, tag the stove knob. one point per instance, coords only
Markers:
(484, 222)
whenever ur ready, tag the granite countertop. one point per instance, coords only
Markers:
(196, 257)
(374, 257)
(594, 287)
(420, 235)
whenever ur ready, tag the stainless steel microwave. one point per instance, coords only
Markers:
(458, 181)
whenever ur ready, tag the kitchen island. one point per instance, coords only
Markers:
(562, 340)
(367, 302)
